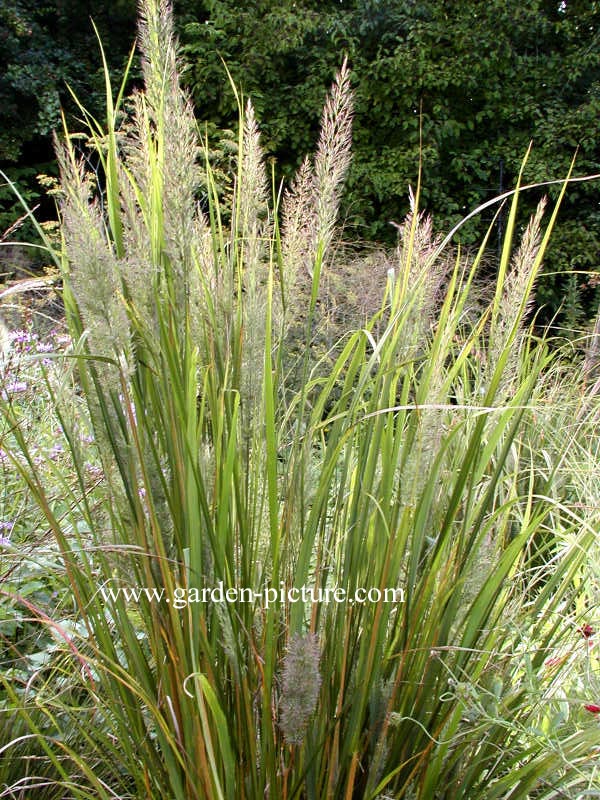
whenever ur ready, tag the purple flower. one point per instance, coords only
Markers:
(55, 451)
(14, 387)
(5, 527)
(93, 470)
(20, 337)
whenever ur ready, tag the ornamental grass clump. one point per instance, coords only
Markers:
(223, 627)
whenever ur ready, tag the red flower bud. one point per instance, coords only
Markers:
(592, 708)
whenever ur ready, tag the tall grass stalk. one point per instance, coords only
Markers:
(414, 464)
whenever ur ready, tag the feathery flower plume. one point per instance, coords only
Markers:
(169, 145)
(253, 229)
(517, 297)
(333, 155)
(298, 227)
(95, 273)
(310, 207)
(301, 685)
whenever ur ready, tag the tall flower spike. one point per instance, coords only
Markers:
(252, 222)
(517, 298)
(333, 154)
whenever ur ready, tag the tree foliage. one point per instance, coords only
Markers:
(46, 48)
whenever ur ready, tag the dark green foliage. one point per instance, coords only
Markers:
(477, 81)
(46, 47)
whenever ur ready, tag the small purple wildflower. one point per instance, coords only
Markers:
(14, 387)
(55, 451)
(45, 347)
(20, 337)
(5, 527)
(93, 470)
